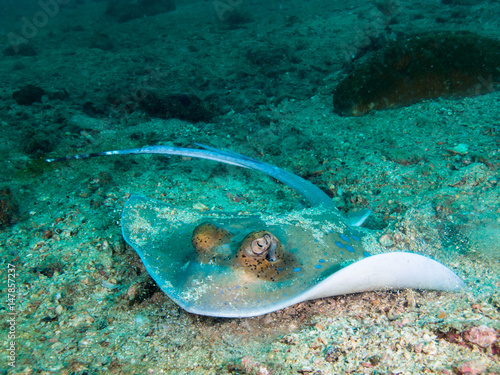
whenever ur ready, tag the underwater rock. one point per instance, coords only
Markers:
(182, 106)
(101, 41)
(415, 68)
(142, 290)
(473, 367)
(36, 143)
(27, 95)
(231, 18)
(482, 336)
(48, 269)
(8, 207)
(21, 50)
(93, 109)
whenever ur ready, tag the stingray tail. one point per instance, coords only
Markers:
(314, 195)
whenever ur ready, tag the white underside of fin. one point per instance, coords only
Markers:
(396, 270)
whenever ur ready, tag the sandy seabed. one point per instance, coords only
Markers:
(84, 303)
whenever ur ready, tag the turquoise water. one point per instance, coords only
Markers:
(416, 145)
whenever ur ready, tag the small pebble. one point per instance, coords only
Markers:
(386, 241)
(108, 285)
(471, 368)
(84, 343)
(442, 315)
(374, 360)
(200, 207)
(305, 370)
(132, 291)
(430, 348)
(47, 234)
(482, 336)
(460, 149)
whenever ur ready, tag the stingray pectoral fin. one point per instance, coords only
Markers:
(396, 270)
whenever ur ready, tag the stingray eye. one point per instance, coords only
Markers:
(261, 244)
(262, 255)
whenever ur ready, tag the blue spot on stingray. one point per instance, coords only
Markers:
(325, 253)
(339, 244)
(355, 238)
(344, 237)
(366, 253)
(350, 248)
(221, 292)
(315, 240)
(318, 266)
(297, 269)
(284, 294)
(237, 287)
(341, 253)
(321, 261)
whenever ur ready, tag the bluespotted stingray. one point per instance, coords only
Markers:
(234, 265)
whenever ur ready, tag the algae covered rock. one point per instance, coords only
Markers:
(162, 104)
(27, 95)
(415, 68)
